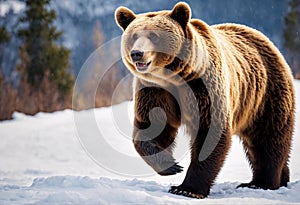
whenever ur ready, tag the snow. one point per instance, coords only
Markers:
(85, 190)
(43, 160)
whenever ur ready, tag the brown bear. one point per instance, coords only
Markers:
(217, 81)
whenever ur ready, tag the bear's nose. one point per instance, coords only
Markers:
(136, 55)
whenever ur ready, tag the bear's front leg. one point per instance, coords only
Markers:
(157, 152)
(157, 118)
(201, 174)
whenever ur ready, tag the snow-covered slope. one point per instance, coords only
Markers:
(43, 162)
(86, 190)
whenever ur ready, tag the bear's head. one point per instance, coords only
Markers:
(152, 42)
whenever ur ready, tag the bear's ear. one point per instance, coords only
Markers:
(124, 17)
(181, 13)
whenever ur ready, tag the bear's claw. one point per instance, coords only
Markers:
(178, 190)
(174, 169)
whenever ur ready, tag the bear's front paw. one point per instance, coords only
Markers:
(174, 169)
(179, 190)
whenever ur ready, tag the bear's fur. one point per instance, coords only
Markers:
(241, 85)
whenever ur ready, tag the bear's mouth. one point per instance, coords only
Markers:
(140, 66)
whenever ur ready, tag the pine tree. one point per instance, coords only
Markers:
(7, 93)
(4, 38)
(292, 35)
(39, 52)
(4, 35)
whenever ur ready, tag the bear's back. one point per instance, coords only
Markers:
(258, 72)
(249, 41)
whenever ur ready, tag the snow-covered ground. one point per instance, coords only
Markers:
(45, 160)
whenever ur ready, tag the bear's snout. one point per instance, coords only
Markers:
(136, 55)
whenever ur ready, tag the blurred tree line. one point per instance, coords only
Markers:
(46, 80)
(291, 36)
(103, 85)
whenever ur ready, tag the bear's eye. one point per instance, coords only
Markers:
(134, 37)
(153, 37)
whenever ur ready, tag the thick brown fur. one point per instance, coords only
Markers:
(240, 81)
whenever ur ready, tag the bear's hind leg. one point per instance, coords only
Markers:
(285, 175)
(266, 171)
(268, 155)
